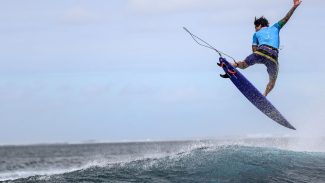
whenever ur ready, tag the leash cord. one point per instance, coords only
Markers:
(207, 45)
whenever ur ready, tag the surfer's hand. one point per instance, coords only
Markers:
(296, 3)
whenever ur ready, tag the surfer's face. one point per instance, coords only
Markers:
(257, 28)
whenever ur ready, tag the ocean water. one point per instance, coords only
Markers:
(248, 160)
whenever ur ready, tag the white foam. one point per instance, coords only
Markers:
(45, 173)
(13, 175)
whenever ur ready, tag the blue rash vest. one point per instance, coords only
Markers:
(268, 36)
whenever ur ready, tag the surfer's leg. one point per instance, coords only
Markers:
(272, 69)
(249, 61)
(269, 86)
(240, 64)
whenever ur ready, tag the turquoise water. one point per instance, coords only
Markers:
(187, 161)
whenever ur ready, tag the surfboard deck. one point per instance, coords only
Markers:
(253, 95)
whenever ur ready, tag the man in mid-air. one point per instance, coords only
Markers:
(265, 46)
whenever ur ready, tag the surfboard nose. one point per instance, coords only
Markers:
(291, 127)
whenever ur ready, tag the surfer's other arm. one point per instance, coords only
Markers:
(284, 20)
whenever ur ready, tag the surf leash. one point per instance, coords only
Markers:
(203, 43)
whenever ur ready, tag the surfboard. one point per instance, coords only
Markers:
(253, 94)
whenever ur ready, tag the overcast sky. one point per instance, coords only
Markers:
(73, 70)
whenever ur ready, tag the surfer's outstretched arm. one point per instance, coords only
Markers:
(296, 3)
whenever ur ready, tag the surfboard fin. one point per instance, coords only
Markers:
(225, 75)
(221, 64)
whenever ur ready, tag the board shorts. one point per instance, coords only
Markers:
(267, 56)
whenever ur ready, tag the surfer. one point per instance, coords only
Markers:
(265, 46)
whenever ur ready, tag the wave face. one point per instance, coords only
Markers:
(191, 161)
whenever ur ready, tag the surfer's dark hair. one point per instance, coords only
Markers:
(261, 21)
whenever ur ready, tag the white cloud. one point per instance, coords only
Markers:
(167, 6)
(161, 6)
